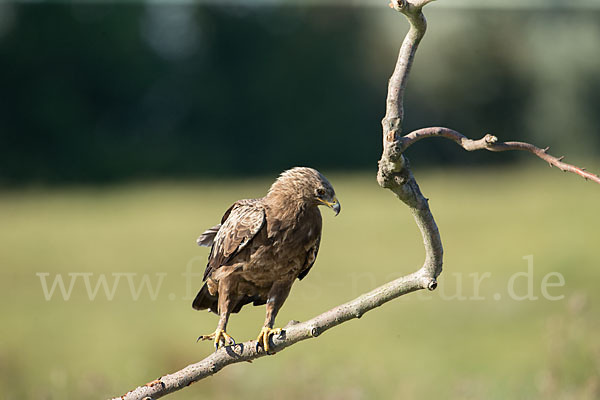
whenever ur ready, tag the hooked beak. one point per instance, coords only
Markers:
(335, 206)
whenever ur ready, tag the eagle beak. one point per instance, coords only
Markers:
(335, 206)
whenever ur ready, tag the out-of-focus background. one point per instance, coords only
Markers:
(126, 129)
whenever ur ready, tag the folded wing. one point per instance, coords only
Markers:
(239, 226)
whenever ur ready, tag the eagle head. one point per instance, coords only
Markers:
(306, 185)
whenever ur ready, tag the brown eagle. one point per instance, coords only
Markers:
(261, 246)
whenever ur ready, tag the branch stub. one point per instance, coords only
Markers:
(432, 285)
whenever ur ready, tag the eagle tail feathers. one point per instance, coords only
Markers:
(205, 301)
(208, 237)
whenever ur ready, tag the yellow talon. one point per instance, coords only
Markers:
(264, 335)
(219, 336)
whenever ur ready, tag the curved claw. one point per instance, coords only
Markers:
(218, 336)
(264, 336)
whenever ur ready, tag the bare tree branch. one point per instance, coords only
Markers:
(294, 332)
(397, 84)
(490, 142)
(394, 174)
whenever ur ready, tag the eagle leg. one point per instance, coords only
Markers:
(277, 295)
(225, 305)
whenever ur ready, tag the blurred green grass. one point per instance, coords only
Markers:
(419, 346)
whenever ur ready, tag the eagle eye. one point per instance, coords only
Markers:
(320, 192)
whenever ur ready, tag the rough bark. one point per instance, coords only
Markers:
(394, 174)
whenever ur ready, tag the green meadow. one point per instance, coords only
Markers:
(516, 314)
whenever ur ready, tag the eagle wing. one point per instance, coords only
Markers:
(311, 257)
(241, 222)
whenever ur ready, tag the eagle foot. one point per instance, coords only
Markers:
(218, 336)
(264, 335)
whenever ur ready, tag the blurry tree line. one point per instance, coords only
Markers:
(105, 92)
